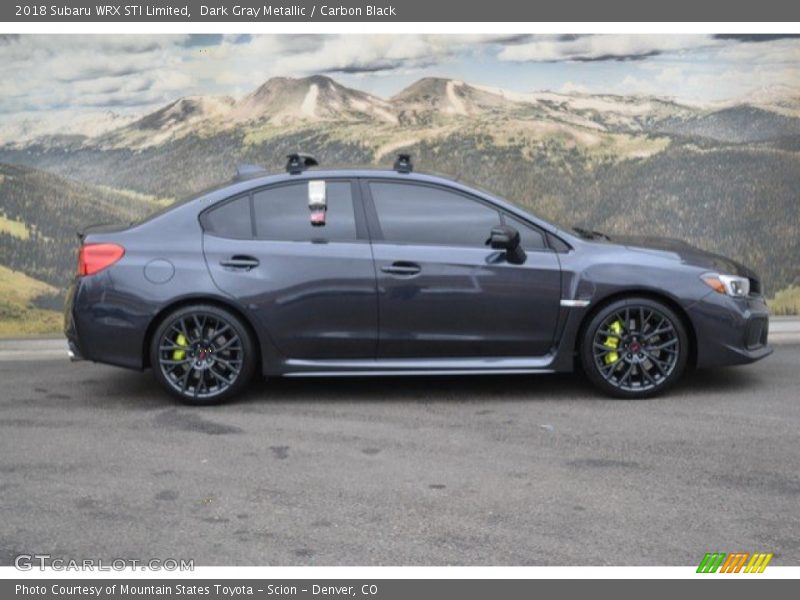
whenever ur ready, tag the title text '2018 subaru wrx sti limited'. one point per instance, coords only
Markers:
(372, 272)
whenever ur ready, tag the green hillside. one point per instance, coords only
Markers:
(41, 213)
(19, 313)
(786, 302)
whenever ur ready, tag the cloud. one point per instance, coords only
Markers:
(782, 51)
(375, 53)
(756, 37)
(61, 70)
(586, 48)
(570, 87)
(47, 72)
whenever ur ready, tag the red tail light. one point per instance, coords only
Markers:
(96, 257)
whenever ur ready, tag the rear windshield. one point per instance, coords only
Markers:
(157, 212)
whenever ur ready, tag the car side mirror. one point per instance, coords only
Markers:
(505, 237)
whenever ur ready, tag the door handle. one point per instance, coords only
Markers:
(404, 268)
(243, 263)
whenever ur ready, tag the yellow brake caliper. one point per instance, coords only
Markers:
(181, 353)
(613, 342)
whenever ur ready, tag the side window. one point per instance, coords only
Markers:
(281, 213)
(531, 237)
(420, 214)
(231, 219)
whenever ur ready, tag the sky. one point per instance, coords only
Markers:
(51, 76)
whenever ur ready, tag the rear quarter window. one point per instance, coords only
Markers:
(231, 219)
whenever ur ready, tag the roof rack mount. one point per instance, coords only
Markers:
(297, 163)
(403, 163)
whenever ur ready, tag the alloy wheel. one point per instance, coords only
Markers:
(200, 355)
(636, 348)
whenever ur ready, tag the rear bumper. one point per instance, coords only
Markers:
(70, 327)
(730, 331)
(73, 351)
(99, 326)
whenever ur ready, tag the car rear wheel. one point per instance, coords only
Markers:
(634, 348)
(203, 354)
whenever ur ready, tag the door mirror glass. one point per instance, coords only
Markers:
(505, 237)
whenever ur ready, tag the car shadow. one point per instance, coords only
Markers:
(723, 379)
(140, 390)
(440, 388)
(479, 388)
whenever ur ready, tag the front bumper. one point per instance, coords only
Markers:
(730, 331)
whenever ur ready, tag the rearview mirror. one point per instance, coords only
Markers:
(505, 237)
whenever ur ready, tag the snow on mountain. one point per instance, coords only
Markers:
(782, 99)
(448, 97)
(317, 98)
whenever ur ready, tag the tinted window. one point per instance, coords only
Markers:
(419, 214)
(530, 236)
(281, 213)
(231, 219)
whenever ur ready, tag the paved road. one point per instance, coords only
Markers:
(96, 462)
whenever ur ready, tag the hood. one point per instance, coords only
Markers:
(688, 254)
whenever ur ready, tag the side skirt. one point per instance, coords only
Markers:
(433, 366)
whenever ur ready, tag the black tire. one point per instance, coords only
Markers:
(634, 348)
(203, 354)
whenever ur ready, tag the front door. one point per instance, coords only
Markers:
(441, 291)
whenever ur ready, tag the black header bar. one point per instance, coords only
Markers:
(255, 11)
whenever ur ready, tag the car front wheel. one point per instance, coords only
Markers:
(634, 348)
(203, 354)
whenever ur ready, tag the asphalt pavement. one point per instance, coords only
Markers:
(96, 462)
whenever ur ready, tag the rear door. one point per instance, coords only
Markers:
(441, 291)
(313, 288)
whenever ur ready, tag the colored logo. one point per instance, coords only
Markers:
(735, 562)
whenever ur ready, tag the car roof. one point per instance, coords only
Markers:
(247, 183)
(267, 178)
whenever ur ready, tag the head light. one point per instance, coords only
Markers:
(732, 285)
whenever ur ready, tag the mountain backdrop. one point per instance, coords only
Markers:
(725, 177)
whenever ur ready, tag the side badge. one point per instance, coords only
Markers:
(317, 202)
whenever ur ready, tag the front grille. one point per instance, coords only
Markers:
(756, 333)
